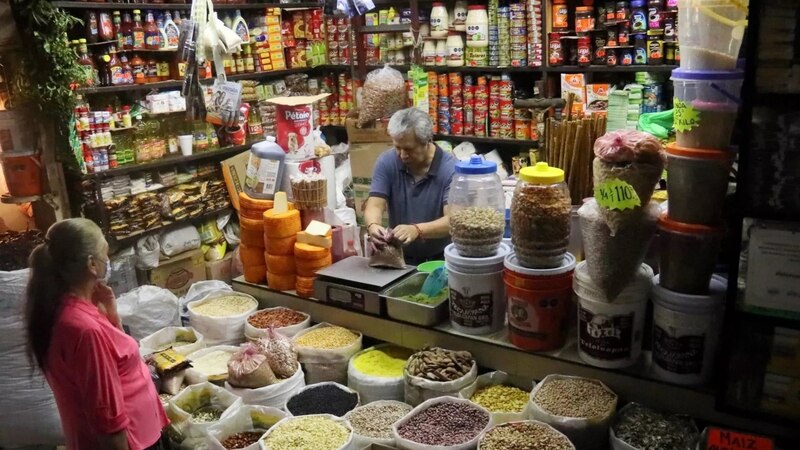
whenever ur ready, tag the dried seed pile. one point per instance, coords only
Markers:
(307, 433)
(446, 423)
(438, 364)
(228, 305)
(540, 223)
(477, 231)
(524, 436)
(375, 420)
(326, 337)
(646, 429)
(499, 398)
(278, 318)
(206, 414)
(242, 440)
(575, 397)
(322, 399)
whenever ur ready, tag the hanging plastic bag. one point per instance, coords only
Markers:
(148, 309)
(383, 94)
(274, 395)
(497, 378)
(148, 252)
(221, 329)
(204, 397)
(326, 364)
(184, 340)
(245, 418)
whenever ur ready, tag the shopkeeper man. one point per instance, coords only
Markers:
(412, 181)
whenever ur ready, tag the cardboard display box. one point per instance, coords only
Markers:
(375, 133)
(179, 272)
(234, 171)
(220, 270)
(363, 158)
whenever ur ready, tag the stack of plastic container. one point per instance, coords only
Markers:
(688, 298)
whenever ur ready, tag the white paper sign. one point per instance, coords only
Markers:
(773, 269)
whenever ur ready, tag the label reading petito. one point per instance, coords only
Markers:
(471, 311)
(605, 337)
(681, 355)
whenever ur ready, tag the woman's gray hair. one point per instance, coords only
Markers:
(413, 119)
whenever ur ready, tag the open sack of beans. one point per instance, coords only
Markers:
(325, 350)
(372, 422)
(524, 435)
(210, 364)
(195, 409)
(320, 432)
(323, 398)
(285, 321)
(383, 94)
(221, 316)
(581, 408)
(505, 400)
(443, 423)
(184, 340)
(377, 372)
(243, 428)
(637, 427)
(436, 372)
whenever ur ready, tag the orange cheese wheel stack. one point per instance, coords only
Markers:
(281, 282)
(253, 208)
(255, 274)
(310, 259)
(251, 232)
(281, 225)
(280, 264)
(251, 256)
(305, 286)
(280, 246)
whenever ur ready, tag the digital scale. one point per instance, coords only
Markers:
(351, 283)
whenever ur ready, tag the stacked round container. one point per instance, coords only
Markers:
(280, 228)
(252, 248)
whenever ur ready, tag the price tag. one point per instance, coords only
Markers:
(616, 194)
(685, 117)
(719, 439)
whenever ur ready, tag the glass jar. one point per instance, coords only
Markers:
(477, 208)
(540, 217)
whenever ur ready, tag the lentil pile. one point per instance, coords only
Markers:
(438, 364)
(206, 414)
(540, 223)
(278, 318)
(646, 429)
(446, 423)
(524, 436)
(575, 397)
(375, 420)
(307, 433)
(242, 440)
(322, 399)
(477, 231)
(224, 306)
(501, 399)
(383, 362)
(326, 337)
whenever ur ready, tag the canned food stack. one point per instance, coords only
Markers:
(481, 105)
(503, 36)
(535, 39)
(456, 103)
(469, 105)
(443, 112)
(433, 100)
(519, 35)
(493, 52)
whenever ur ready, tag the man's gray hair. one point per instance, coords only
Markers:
(411, 119)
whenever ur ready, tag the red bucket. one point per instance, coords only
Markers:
(539, 303)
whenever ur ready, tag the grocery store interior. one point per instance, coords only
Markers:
(400, 224)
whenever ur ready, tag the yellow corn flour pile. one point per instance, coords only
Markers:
(382, 362)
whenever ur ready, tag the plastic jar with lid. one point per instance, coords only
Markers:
(455, 49)
(584, 19)
(687, 255)
(477, 26)
(439, 21)
(540, 217)
(429, 52)
(638, 16)
(477, 208)
(460, 11)
(697, 183)
(264, 169)
(560, 15)
(441, 53)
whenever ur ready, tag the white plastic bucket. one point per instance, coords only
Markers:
(686, 332)
(711, 33)
(610, 334)
(477, 291)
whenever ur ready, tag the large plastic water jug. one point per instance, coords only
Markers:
(264, 169)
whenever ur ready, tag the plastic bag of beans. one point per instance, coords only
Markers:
(377, 373)
(581, 408)
(184, 340)
(444, 423)
(243, 424)
(506, 398)
(196, 408)
(503, 436)
(220, 317)
(324, 350)
(275, 395)
(383, 94)
(249, 368)
(259, 322)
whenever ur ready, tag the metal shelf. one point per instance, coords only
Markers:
(181, 6)
(494, 351)
(489, 140)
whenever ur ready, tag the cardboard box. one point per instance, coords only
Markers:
(375, 133)
(360, 195)
(179, 272)
(220, 270)
(363, 158)
(234, 171)
(295, 124)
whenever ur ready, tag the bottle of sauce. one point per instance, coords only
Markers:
(255, 130)
(138, 69)
(560, 15)
(106, 26)
(460, 12)
(92, 27)
(163, 70)
(249, 61)
(138, 31)
(171, 32)
(152, 70)
(177, 69)
(455, 49)
(127, 70)
(441, 53)
(429, 52)
(239, 61)
(477, 26)
(115, 67)
(127, 31)
(152, 37)
(439, 21)
(119, 38)
(85, 60)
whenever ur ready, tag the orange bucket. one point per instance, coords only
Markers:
(539, 303)
(23, 173)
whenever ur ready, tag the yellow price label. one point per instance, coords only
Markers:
(685, 117)
(616, 194)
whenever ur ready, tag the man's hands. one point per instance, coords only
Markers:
(406, 233)
(377, 234)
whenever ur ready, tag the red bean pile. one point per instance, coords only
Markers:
(242, 440)
(446, 423)
(278, 318)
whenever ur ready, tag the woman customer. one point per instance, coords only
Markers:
(102, 387)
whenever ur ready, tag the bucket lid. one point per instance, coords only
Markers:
(451, 255)
(639, 286)
(691, 303)
(430, 266)
(511, 263)
(707, 75)
(699, 153)
(665, 223)
(476, 166)
(541, 173)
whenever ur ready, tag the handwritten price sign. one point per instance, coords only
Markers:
(616, 194)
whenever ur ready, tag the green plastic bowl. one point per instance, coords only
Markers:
(430, 266)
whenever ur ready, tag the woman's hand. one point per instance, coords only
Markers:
(406, 233)
(103, 297)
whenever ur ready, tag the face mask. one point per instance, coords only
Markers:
(107, 276)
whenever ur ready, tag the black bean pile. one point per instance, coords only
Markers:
(323, 399)
(16, 247)
(446, 423)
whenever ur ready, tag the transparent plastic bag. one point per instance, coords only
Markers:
(383, 94)
(274, 395)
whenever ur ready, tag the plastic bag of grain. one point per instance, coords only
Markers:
(581, 408)
(244, 424)
(324, 350)
(638, 427)
(196, 408)
(383, 94)
(274, 395)
(506, 398)
(504, 436)
(287, 322)
(377, 372)
(220, 317)
(372, 422)
(427, 371)
(318, 431)
(444, 423)
(184, 340)
(210, 364)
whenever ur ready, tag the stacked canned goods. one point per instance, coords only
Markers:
(535, 37)
(456, 84)
(443, 113)
(501, 107)
(333, 109)
(519, 35)
(494, 33)
(339, 36)
(504, 35)
(481, 105)
(433, 99)
(469, 105)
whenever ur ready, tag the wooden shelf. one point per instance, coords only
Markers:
(165, 226)
(488, 140)
(181, 6)
(386, 28)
